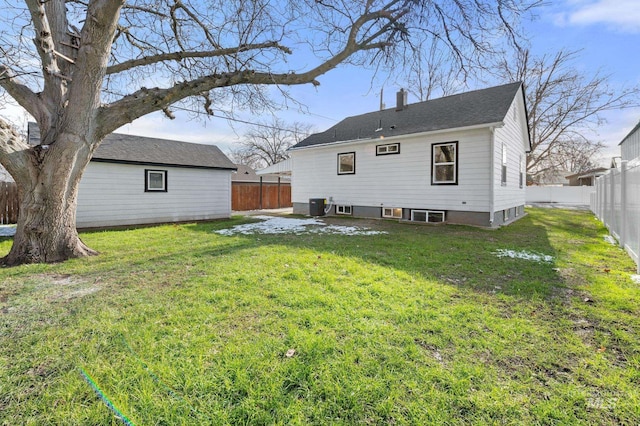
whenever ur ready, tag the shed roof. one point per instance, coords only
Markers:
(247, 174)
(478, 107)
(122, 148)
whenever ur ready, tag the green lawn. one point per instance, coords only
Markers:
(178, 325)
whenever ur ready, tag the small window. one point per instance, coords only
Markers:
(347, 163)
(392, 212)
(343, 210)
(444, 167)
(521, 171)
(155, 181)
(505, 215)
(391, 148)
(430, 216)
(503, 177)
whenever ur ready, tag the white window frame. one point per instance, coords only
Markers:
(434, 165)
(522, 175)
(147, 180)
(388, 149)
(395, 212)
(428, 214)
(343, 209)
(353, 159)
(503, 170)
(505, 215)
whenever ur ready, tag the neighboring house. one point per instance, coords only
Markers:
(630, 145)
(549, 178)
(586, 178)
(457, 159)
(250, 191)
(138, 180)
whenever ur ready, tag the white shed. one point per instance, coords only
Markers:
(135, 180)
(457, 159)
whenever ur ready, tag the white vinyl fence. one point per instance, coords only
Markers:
(616, 203)
(578, 195)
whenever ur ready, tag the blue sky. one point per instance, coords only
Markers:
(606, 31)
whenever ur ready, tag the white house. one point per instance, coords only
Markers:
(138, 180)
(630, 145)
(458, 159)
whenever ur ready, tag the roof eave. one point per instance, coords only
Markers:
(403, 136)
(156, 164)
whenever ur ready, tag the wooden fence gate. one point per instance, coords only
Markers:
(8, 203)
(257, 196)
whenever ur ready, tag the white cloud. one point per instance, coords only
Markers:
(618, 15)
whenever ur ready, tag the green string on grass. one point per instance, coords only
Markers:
(105, 399)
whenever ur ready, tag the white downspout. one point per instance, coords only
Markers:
(492, 160)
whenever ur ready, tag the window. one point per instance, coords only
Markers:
(503, 177)
(155, 181)
(505, 215)
(430, 216)
(347, 163)
(444, 168)
(343, 210)
(391, 148)
(521, 171)
(395, 213)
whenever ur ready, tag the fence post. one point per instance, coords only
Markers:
(623, 203)
(260, 192)
(279, 189)
(612, 201)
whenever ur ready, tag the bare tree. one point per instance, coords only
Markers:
(565, 109)
(267, 143)
(84, 68)
(433, 72)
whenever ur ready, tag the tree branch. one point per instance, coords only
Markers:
(45, 46)
(144, 101)
(21, 93)
(13, 151)
(179, 56)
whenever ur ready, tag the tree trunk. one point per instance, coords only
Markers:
(46, 230)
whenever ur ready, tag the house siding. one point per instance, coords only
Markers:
(513, 136)
(113, 194)
(398, 180)
(630, 147)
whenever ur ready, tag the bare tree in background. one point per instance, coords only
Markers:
(267, 143)
(82, 69)
(433, 72)
(565, 109)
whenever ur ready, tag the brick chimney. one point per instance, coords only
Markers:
(401, 100)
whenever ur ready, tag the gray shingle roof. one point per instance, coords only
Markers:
(478, 107)
(121, 148)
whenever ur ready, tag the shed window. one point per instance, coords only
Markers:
(347, 163)
(387, 149)
(395, 213)
(444, 167)
(155, 181)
